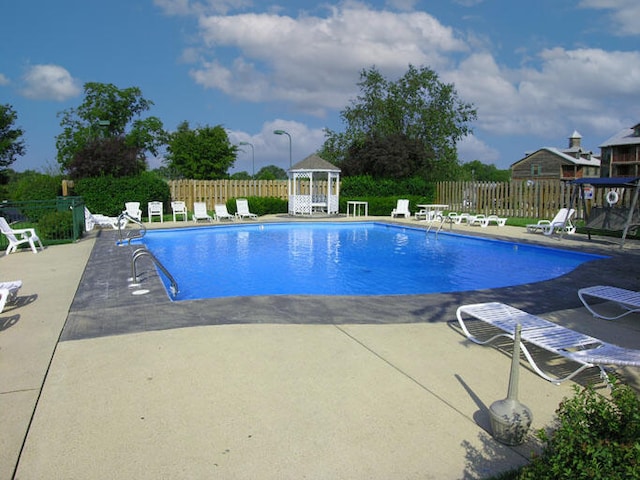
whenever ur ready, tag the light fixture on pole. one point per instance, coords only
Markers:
(253, 158)
(282, 132)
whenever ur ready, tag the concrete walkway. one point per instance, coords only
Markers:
(99, 383)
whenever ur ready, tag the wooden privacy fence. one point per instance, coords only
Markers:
(539, 199)
(219, 191)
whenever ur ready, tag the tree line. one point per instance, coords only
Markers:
(393, 129)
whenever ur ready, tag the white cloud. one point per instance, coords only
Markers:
(314, 62)
(3, 80)
(570, 87)
(472, 148)
(49, 82)
(624, 15)
(271, 149)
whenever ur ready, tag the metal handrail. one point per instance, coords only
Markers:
(440, 225)
(141, 233)
(140, 252)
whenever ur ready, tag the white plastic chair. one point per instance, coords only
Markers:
(200, 212)
(179, 208)
(242, 207)
(155, 210)
(19, 236)
(133, 210)
(402, 209)
(222, 213)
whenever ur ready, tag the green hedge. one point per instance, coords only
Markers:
(366, 186)
(261, 205)
(107, 195)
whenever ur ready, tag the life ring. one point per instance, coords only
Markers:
(612, 197)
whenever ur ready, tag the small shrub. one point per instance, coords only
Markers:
(56, 226)
(596, 438)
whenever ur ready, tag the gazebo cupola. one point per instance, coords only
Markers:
(314, 187)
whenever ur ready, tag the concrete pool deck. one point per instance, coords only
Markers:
(99, 382)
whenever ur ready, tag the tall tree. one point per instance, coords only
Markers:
(106, 156)
(108, 113)
(417, 107)
(393, 156)
(11, 143)
(203, 153)
(271, 172)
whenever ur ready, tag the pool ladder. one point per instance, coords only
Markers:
(142, 252)
(141, 233)
(443, 219)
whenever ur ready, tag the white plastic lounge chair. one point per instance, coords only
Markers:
(242, 209)
(628, 300)
(402, 209)
(484, 221)
(179, 208)
(19, 236)
(222, 213)
(155, 209)
(479, 219)
(458, 218)
(9, 292)
(200, 212)
(133, 210)
(499, 221)
(577, 347)
(560, 221)
(93, 219)
(421, 214)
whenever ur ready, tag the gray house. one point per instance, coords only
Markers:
(621, 154)
(550, 163)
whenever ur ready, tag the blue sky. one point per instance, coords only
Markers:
(535, 71)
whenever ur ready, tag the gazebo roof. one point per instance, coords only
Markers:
(316, 164)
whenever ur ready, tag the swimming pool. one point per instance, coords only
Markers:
(346, 259)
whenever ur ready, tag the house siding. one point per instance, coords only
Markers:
(543, 165)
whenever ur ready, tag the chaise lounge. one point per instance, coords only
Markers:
(9, 292)
(222, 213)
(242, 209)
(200, 212)
(562, 221)
(583, 349)
(628, 300)
(93, 219)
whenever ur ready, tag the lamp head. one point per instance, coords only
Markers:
(279, 132)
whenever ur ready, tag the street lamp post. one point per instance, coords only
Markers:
(253, 158)
(282, 132)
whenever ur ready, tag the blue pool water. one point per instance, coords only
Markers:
(345, 259)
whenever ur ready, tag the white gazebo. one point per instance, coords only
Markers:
(314, 187)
